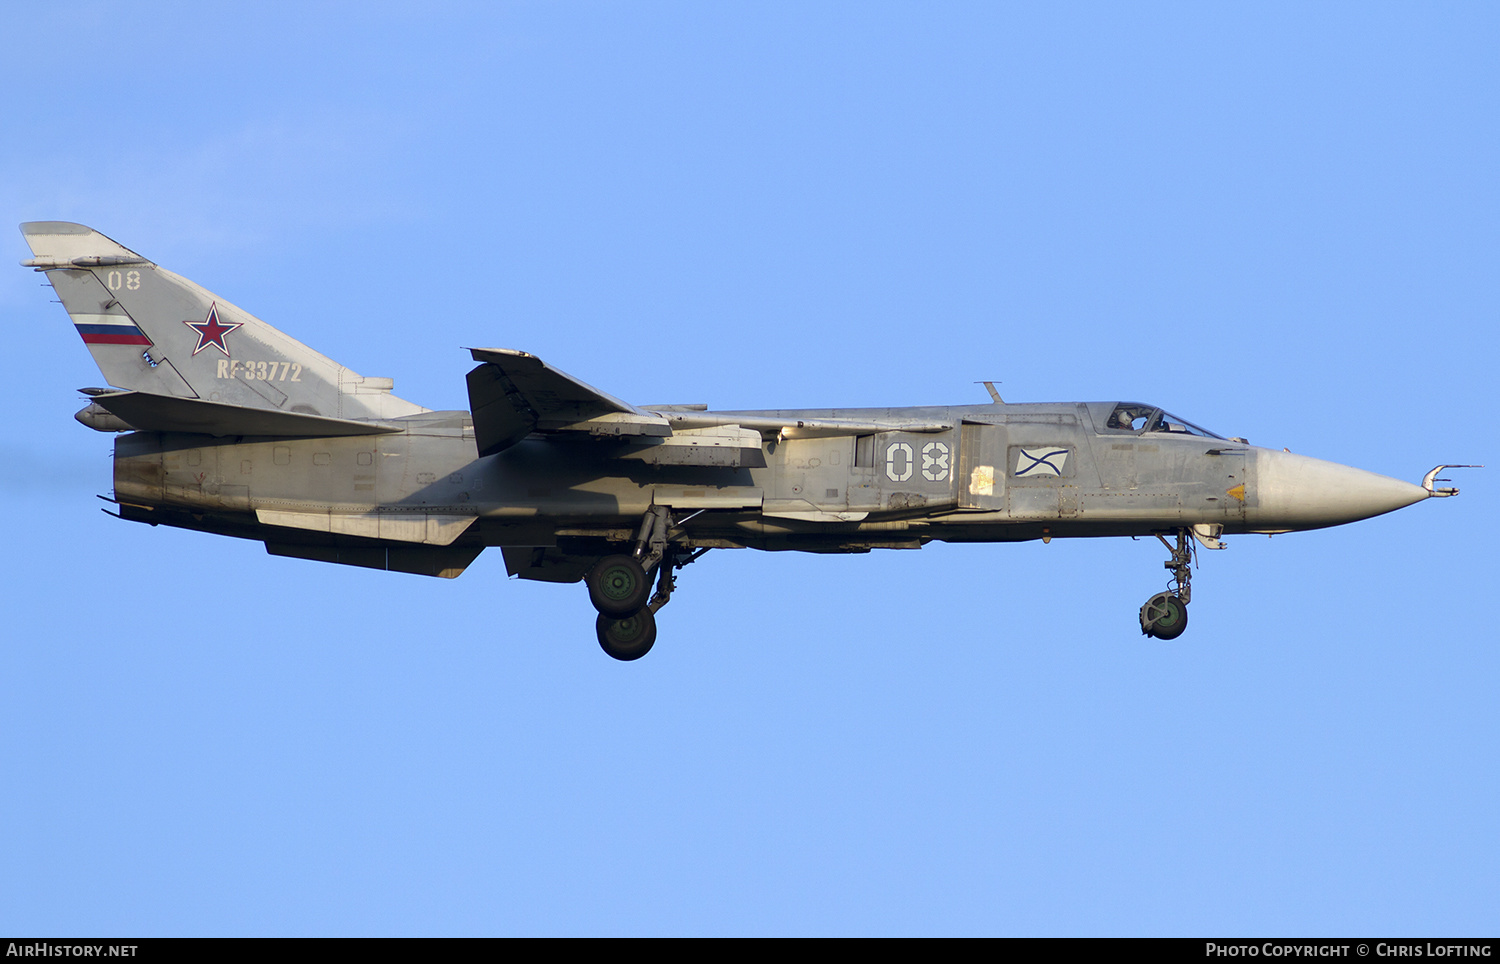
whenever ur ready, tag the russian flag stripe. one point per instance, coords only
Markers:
(115, 337)
(97, 329)
(108, 330)
(123, 321)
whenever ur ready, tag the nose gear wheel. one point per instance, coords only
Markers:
(1164, 616)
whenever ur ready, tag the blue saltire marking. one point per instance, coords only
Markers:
(1044, 460)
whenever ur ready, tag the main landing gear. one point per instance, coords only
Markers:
(618, 585)
(1165, 614)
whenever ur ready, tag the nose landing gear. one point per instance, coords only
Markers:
(1164, 615)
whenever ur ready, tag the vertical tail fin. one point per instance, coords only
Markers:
(150, 330)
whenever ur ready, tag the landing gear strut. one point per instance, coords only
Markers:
(1164, 615)
(618, 584)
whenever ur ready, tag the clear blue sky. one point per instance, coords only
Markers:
(1279, 222)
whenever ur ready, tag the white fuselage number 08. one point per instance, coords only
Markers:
(901, 462)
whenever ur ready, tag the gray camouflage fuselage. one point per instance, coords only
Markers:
(822, 494)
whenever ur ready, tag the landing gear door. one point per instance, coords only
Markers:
(981, 475)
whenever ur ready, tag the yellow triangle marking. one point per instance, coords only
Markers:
(1238, 492)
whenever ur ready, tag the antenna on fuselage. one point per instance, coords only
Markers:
(990, 387)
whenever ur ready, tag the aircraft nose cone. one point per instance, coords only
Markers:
(1297, 492)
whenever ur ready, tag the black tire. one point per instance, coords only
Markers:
(1164, 616)
(628, 638)
(618, 586)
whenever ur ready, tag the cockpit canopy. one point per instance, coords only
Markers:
(1137, 419)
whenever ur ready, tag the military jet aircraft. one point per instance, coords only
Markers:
(232, 427)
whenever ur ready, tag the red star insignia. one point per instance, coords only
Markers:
(211, 331)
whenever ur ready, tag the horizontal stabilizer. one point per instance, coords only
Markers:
(164, 413)
(513, 394)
